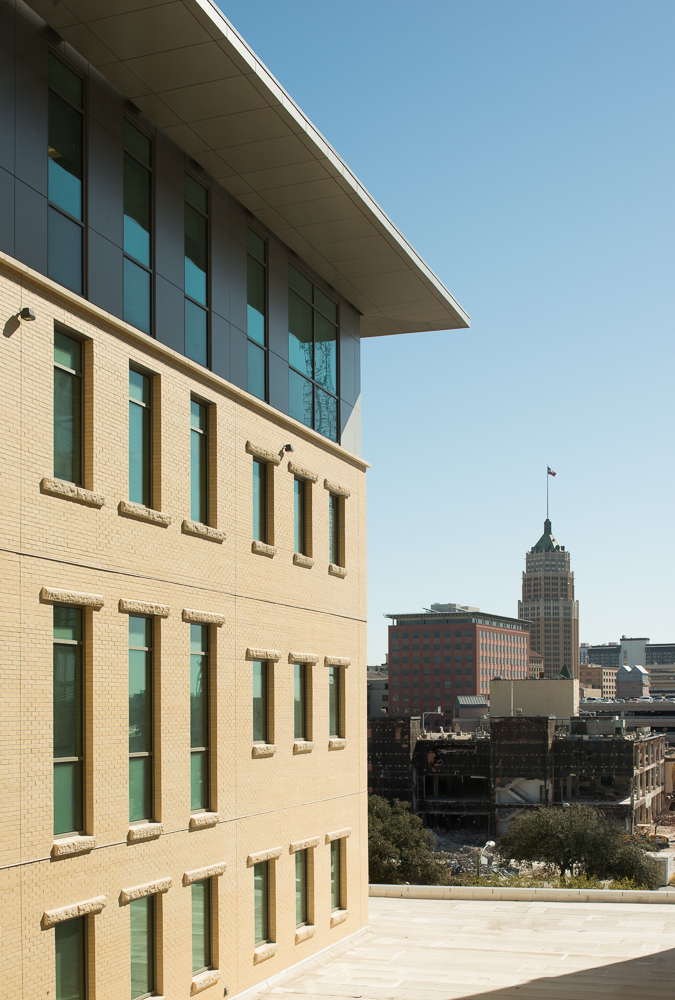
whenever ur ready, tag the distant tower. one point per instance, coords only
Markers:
(548, 602)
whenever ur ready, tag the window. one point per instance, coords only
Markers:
(196, 270)
(140, 719)
(334, 527)
(336, 875)
(140, 430)
(199, 717)
(69, 945)
(312, 346)
(68, 718)
(259, 501)
(201, 926)
(67, 408)
(137, 228)
(142, 941)
(256, 312)
(260, 702)
(198, 462)
(301, 887)
(300, 681)
(261, 901)
(335, 701)
(300, 490)
(66, 101)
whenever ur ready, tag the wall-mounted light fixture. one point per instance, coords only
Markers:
(27, 313)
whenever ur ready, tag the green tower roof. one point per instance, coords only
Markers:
(547, 542)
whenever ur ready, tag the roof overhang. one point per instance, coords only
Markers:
(185, 66)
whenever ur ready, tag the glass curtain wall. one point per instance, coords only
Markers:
(66, 172)
(201, 926)
(199, 717)
(137, 228)
(142, 940)
(260, 726)
(140, 719)
(140, 458)
(256, 312)
(196, 270)
(312, 354)
(198, 462)
(69, 947)
(67, 408)
(68, 691)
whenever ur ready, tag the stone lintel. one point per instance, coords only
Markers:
(203, 980)
(336, 570)
(69, 491)
(146, 831)
(338, 917)
(142, 513)
(269, 855)
(257, 653)
(263, 952)
(147, 889)
(52, 595)
(300, 470)
(341, 491)
(72, 845)
(337, 743)
(197, 874)
(200, 821)
(303, 657)
(52, 917)
(336, 661)
(303, 746)
(203, 531)
(300, 560)
(303, 845)
(338, 834)
(263, 549)
(259, 452)
(205, 617)
(263, 750)
(144, 608)
(303, 933)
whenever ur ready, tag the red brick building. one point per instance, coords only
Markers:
(433, 657)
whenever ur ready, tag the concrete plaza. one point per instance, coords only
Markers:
(424, 949)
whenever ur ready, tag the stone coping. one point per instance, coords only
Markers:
(488, 892)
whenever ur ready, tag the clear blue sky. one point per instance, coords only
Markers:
(527, 151)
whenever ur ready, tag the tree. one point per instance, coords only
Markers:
(399, 848)
(579, 840)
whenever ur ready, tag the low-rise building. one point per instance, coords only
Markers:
(593, 675)
(549, 697)
(632, 682)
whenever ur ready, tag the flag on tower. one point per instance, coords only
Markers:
(550, 470)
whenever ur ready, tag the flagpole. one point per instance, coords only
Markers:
(547, 493)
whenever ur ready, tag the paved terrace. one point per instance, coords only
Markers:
(425, 949)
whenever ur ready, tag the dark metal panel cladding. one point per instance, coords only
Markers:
(106, 184)
(220, 346)
(237, 282)
(169, 314)
(30, 228)
(7, 212)
(238, 358)
(169, 231)
(220, 254)
(31, 126)
(278, 382)
(7, 103)
(106, 274)
(278, 300)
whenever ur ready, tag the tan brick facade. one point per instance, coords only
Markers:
(59, 543)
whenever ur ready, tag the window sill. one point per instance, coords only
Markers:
(146, 831)
(263, 549)
(303, 746)
(140, 513)
(72, 845)
(300, 560)
(201, 821)
(337, 570)
(203, 531)
(338, 917)
(263, 952)
(337, 744)
(263, 750)
(69, 491)
(304, 933)
(203, 980)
